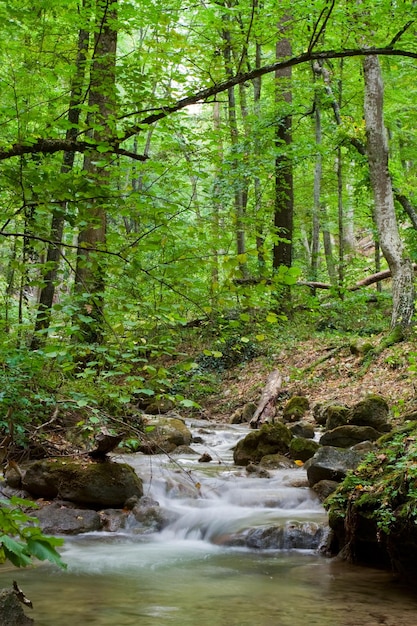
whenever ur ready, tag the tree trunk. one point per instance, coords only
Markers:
(385, 218)
(240, 193)
(47, 292)
(284, 191)
(89, 275)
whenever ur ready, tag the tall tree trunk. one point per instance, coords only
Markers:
(47, 292)
(89, 275)
(240, 194)
(385, 218)
(260, 237)
(284, 192)
(315, 233)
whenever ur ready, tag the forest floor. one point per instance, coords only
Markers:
(321, 368)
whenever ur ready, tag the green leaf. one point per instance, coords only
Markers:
(44, 550)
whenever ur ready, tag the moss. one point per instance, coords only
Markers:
(378, 501)
(303, 449)
(296, 407)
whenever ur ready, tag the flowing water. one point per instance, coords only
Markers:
(237, 551)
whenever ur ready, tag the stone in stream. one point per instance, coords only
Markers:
(331, 463)
(269, 439)
(82, 481)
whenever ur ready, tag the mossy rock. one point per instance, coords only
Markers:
(269, 439)
(277, 461)
(373, 411)
(85, 482)
(303, 449)
(336, 415)
(295, 409)
(164, 434)
(348, 436)
(302, 429)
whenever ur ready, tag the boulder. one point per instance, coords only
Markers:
(302, 429)
(331, 463)
(347, 436)
(299, 535)
(11, 610)
(336, 415)
(164, 434)
(295, 409)
(243, 414)
(86, 482)
(277, 461)
(324, 488)
(60, 518)
(303, 449)
(269, 439)
(373, 411)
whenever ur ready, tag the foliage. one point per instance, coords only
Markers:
(383, 487)
(21, 539)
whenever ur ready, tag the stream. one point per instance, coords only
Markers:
(239, 550)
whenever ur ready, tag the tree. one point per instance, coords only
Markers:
(89, 275)
(384, 212)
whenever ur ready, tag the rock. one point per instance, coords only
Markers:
(295, 409)
(60, 519)
(292, 535)
(277, 461)
(147, 516)
(336, 415)
(302, 429)
(269, 439)
(243, 414)
(373, 411)
(303, 449)
(159, 406)
(11, 610)
(164, 434)
(319, 413)
(347, 436)
(205, 458)
(184, 450)
(85, 482)
(331, 463)
(259, 471)
(324, 488)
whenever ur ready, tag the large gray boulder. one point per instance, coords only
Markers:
(347, 436)
(59, 519)
(97, 485)
(331, 463)
(269, 439)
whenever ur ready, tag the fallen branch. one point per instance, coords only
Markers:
(265, 410)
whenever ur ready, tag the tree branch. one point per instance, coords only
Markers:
(51, 146)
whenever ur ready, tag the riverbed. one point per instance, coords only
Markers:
(201, 570)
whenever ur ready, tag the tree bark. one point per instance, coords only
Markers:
(384, 211)
(89, 275)
(284, 188)
(47, 292)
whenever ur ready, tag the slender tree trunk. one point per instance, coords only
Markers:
(315, 234)
(89, 276)
(385, 218)
(217, 204)
(284, 191)
(260, 237)
(240, 197)
(47, 292)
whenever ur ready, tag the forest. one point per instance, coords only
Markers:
(186, 186)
